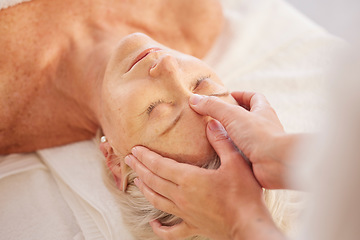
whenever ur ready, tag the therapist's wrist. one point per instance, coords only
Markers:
(284, 145)
(256, 223)
(273, 160)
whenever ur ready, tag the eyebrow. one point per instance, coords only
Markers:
(224, 94)
(173, 124)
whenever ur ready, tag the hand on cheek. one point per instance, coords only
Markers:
(214, 203)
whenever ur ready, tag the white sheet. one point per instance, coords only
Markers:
(266, 46)
(78, 171)
(31, 206)
(269, 47)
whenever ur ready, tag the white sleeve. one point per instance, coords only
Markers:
(334, 212)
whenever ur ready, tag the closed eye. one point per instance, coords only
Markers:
(153, 105)
(198, 81)
(201, 79)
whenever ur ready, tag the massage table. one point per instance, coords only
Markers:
(266, 46)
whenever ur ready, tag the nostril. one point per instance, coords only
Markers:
(153, 66)
(153, 71)
(166, 65)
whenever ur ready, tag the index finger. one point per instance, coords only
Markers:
(163, 167)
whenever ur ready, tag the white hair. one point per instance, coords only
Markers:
(138, 212)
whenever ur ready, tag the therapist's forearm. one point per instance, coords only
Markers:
(261, 231)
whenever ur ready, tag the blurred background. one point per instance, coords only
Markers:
(339, 17)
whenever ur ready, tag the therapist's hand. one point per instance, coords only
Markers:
(256, 130)
(226, 203)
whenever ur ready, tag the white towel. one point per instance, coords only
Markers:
(31, 206)
(269, 47)
(78, 171)
(9, 3)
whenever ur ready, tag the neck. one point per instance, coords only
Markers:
(83, 85)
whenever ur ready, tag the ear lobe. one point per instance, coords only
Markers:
(117, 166)
(105, 148)
(116, 171)
(119, 171)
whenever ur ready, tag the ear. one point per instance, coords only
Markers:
(116, 165)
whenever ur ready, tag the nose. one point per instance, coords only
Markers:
(166, 66)
(168, 73)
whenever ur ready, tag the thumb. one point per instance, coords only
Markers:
(221, 142)
(214, 107)
(250, 100)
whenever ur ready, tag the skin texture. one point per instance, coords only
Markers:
(257, 132)
(219, 204)
(52, 92)
(54, 55)
(205, 199)
(139, 105)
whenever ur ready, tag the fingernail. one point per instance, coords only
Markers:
(195, 99)
(215, 125)
(128, 160)
(134, 151)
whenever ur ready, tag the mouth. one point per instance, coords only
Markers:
(142, 55)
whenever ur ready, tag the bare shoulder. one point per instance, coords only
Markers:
(32, 42)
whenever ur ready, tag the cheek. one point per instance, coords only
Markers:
(126, 141)
(122, 135)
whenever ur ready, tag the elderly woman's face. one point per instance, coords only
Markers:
(146, 94)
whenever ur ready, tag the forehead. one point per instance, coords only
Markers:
(187, 142)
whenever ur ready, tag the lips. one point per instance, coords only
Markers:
(142, 55)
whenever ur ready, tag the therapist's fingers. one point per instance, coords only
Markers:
(158, 201)
(225, 112)
(221, 142)
(158, 184)
(250, 100)
(178, 231)
(216, 108)
(243, 98)
(165, 168)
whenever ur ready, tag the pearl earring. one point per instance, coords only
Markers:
(103, 139)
